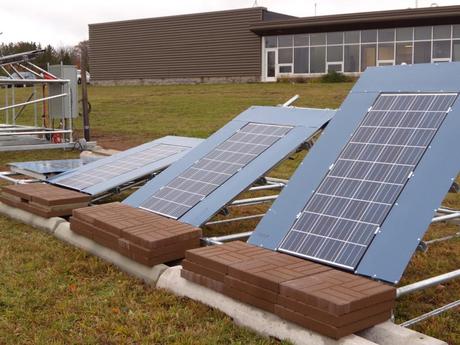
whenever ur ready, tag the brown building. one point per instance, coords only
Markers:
(258, 45)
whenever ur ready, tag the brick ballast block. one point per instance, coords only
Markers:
(328, 301)
(145, 237)
(43, 199)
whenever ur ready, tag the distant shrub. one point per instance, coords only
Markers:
(334, 77)
(293, 80)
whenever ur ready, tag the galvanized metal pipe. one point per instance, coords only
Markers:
(290, 101)
(445, 217)
(226, 238)
(277, 180)
(431, 314)
(426, 283)
(253, 201)
(267, 187)
(33, 102)
(441, 239)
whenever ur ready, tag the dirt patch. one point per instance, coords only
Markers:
(115, 141)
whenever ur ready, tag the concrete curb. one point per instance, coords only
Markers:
(149, 275)
(46, 224)
(388, 333)
(244, 315)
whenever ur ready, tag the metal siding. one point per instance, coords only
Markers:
(215, 44)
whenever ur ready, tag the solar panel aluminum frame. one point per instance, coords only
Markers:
(305, 123)
(390, 251)
(104, 187)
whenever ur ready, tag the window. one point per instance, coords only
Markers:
(334, 67)
(335, 53)
(441, 32)
(270, 41)
(317, 39)
(403, 53)
(285, 55)
(334, 38)
(422, 52)
(285, 69)
(300, 60)
(301, 40)
(318, 59)
(422, 33)
(368, 36)
(456, 31)
(404, 34)
(386, 35)
(441, 49)
(285, 41)
(368, 55)
(352, 36)
(351, 59)
(386, 51)
(456, 50)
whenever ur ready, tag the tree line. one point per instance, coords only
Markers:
(67, 55)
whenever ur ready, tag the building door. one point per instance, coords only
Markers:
(270, 65)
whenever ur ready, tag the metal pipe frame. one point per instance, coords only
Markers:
(426, 283)
(430, 314)
(33, 101)
(38, 132)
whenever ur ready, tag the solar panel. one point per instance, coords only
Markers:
(213, 169)
(113, 168)
(344, 213)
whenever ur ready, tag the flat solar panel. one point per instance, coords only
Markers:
(120, 166)
(213, 169)
(344, 213)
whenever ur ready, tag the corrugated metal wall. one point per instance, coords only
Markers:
(213, 44)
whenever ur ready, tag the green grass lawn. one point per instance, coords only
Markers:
(53, 293)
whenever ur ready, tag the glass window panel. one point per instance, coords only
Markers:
(334, 67)
(301, 40)
(334, 37)
(285, 55)
(300, 60)
(285, 41)
(422, 52)
(441, 50)
(270, 41)
(351, 36)
(441, 31)
(456, 31)
(351, 58)
(456, 51)
(404, 53)
(368, 36)
(422, 33)
(285, 69)
(368, 55)
(386, 35)
(404, 34)
(335, 53)
(386, 51)
(317, 39)
(318, 59)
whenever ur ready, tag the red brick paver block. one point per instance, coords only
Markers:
(202, 280)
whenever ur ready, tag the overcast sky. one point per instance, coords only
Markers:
(60, 22)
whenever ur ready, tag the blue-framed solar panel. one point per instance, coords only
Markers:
(211, 171)
(107, 173)
(345, 212)
(46, 167)
(210, 176)
(365, 194)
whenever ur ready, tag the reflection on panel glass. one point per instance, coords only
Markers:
(368, 55)
(351, 63)
(404, 53)
(300, 60)
(318, 57)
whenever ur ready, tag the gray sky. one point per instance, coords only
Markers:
(66, 22)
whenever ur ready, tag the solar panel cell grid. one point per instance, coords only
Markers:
(119, 167)
(216, 167)
(341, 218)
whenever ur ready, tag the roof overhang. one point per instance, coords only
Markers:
(359, 21)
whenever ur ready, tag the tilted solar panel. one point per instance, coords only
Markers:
(212, 170)
(100, 176)
(345, 212)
